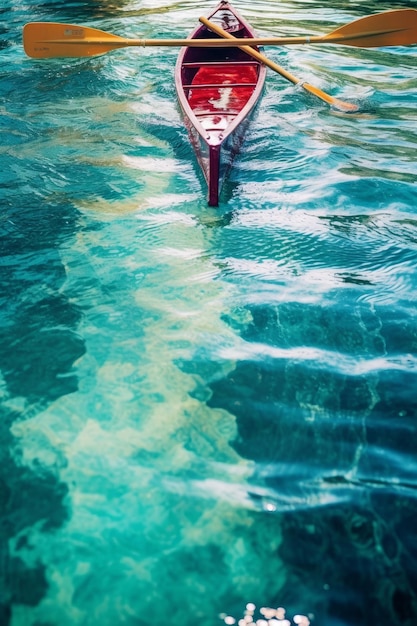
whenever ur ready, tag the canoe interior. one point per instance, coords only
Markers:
(219, 88)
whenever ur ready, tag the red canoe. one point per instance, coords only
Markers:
(218, 89)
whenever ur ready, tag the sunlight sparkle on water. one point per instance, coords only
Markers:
(270, 617)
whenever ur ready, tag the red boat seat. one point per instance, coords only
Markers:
(213, 93)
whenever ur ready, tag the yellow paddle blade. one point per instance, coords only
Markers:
(390, 28)
(43, 40)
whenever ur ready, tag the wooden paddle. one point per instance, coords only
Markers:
(347, 107)
(43, 40)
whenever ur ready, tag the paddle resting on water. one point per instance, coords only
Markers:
(347, 107)
(44, 40)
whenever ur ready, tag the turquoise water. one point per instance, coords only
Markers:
(204, 408)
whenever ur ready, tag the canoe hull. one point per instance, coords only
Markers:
(218, 90)
(215, 161)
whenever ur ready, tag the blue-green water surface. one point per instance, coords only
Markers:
(203, 408)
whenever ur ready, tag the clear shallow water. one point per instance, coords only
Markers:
(206, 407)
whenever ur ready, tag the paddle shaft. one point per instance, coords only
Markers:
(335, 102)
(212, 43)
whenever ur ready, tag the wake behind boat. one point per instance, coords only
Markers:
(218, 89)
